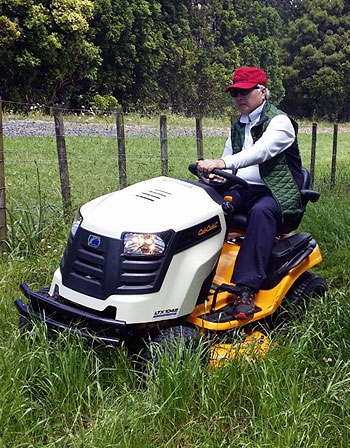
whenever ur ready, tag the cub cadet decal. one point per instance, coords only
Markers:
(197, 234)
(208, 228)
(165, 313)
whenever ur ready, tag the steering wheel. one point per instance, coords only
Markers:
(230, 179)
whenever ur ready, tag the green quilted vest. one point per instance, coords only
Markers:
(275, 173)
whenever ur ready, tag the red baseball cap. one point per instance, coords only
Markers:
(247, 77)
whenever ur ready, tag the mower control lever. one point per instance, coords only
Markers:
(230, 179)
(226, 288)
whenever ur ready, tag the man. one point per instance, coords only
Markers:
(262, 148)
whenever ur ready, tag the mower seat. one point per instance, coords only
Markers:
(239, 220)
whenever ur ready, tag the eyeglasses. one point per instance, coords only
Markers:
(244, 92)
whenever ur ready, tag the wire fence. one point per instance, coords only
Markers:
(71, 156)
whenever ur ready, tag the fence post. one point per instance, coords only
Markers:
(3, 226)
(313, 154)
(62, 158)
(334, 154)
(163, 144)
(199, 136)
(121, 149)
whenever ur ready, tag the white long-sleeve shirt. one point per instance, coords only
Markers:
(278, 136)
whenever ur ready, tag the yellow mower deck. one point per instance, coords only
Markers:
(254, 347)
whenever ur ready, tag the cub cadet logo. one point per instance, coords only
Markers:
(94, 240)
(208, 228)
(168, 312)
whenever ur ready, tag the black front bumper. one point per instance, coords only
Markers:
(60, 316)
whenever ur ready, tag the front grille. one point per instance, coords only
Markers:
(137, 274)
(90, 265)
(96, 266)
(103, 271)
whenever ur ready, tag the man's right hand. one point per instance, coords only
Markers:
(206, 166)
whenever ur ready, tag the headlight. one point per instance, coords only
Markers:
(76, 223)
(145, 243)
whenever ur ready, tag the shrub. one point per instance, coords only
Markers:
(101, 104)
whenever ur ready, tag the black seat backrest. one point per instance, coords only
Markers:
(307, 178)
(239, 220)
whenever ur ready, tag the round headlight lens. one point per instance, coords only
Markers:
(143, 244)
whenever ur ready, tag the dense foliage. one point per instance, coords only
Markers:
(150, 55)
(317, 59)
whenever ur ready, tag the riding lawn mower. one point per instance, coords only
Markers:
(154, 261)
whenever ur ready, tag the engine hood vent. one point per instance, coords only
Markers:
(153, 195)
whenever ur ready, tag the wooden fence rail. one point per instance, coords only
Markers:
(163, 131)
(62, 158)
(334, 154)
(121, 148)
(313, 154)
(199, 137)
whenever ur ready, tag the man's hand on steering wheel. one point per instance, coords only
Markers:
(227, 179)
(206, 166)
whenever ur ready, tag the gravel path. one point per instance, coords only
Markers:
(13, 127)
(45, 128)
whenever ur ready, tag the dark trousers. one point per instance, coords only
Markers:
(263, 220)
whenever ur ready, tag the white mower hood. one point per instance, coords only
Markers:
(154, 205)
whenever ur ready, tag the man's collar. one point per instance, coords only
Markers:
(253, 116)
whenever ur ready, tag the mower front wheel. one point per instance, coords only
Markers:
(24, 325)
(170, 341)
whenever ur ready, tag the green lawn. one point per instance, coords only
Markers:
(60, 393)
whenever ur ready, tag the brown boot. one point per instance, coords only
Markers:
(244, 306)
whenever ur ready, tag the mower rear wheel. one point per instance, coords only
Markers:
(295, 302)
(308, 285)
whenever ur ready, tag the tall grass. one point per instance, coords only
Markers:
(60, 392)
(26, 222)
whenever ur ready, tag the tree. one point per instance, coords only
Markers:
(46, 52)
(142, 54)
(285, 8)
(129, 36)
(177, 76)
(213, 29)
(228, 35)
(316, 55)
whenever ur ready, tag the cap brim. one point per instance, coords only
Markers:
(241, 85)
